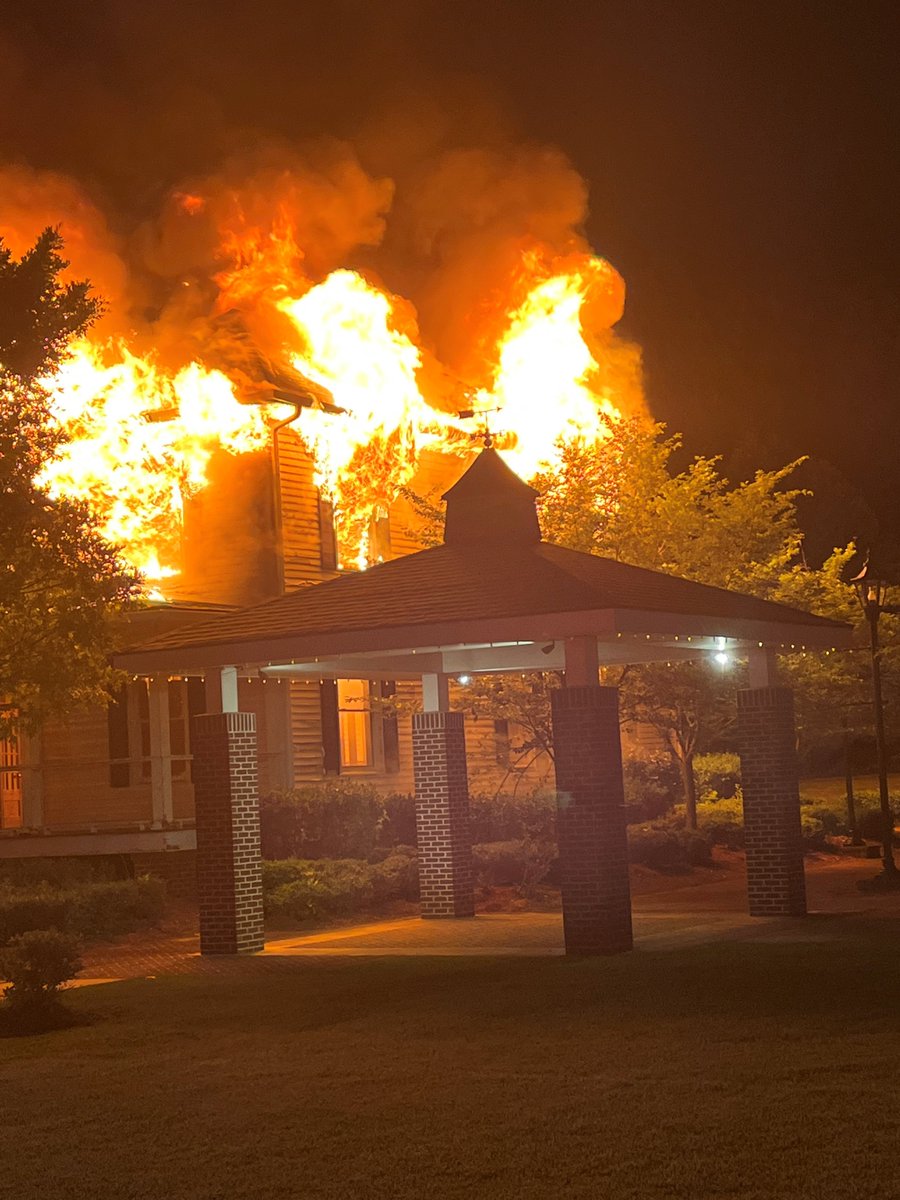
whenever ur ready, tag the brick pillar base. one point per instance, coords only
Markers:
(593, 849)
(226, 796)
(769, 778)
(442, 814)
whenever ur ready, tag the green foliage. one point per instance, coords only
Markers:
(832, 814)
(524, 701)
(91, 910)
(834, 691)
(651, 787)
(62, 586)
(519, 862)
(620, 498)
(338, 818)
(346, 819)
(667, 848)
(63, 872)
(722, 821)
(399, 825)
(527, 816)
(296, 890)
(36, 964)
(718, 776)
(38, 314)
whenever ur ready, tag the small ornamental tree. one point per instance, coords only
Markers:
(62, 585)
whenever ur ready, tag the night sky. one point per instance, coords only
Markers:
(742, 162)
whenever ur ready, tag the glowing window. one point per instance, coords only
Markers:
(355, 724)
(10, 784)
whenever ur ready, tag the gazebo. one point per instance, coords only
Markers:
(494, 598)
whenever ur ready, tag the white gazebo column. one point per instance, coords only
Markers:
(226, 800)
(593, 847)
(767, 741)
(442, 804)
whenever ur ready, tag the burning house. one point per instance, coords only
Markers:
(263, 430)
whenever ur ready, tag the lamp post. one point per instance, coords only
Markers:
(871, 588)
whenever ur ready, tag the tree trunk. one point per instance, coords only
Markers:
(689, 788)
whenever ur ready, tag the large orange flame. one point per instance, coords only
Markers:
(139, 442)
(141, 438)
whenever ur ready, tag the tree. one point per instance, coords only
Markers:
(62, 585)
(620, 498)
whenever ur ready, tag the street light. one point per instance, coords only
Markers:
(871, 587)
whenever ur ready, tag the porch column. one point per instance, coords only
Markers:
(162, 807)
(442, 805)
(593, 848)
(226, 798)
(776, 885)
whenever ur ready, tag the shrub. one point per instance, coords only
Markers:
(89, 909)
(722, 821)
(664, 847)
(64, 872)
(335, 819)
(652, 786)
(36, 964)
(520, 862)
(868, 814)
(106, 909)
(397, 876)
(833, 814)
(519, 817)
(718, 776)
(399, 826)
(297, 890)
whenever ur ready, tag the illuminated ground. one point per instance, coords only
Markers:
(760, 1070)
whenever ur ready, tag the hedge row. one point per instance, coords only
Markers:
(341, 819)
(299, 890)
(91, 910)
(349, 820)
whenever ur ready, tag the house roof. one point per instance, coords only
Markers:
(479, 591)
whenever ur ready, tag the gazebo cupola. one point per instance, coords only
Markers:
(490, 504)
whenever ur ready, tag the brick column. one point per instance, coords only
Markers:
(226, 797)
(769, 778)
(593, 849)
(442, 814)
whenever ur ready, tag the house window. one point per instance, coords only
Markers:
(10, 784)
(354, 718)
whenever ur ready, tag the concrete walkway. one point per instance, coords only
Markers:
(705, 907)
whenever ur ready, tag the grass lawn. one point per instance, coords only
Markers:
(736, 1070)
(836, 789)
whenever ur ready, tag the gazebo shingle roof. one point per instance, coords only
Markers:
(493, 578)
(456, 583)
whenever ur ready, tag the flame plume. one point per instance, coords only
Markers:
(143, 425)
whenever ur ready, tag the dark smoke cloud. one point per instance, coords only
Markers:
(183, 136)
